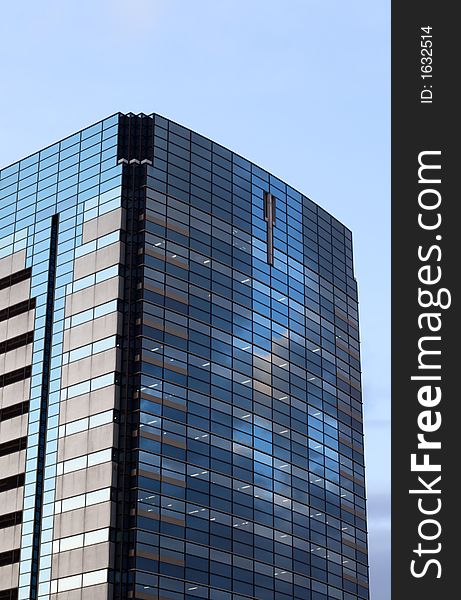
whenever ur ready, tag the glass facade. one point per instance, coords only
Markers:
(68, 183)
(237, 441)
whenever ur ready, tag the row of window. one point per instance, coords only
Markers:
(91, 314)
(245, 448)
(223, 274)
(270, 402)
(82, 500)
(69, 146)
(85, 461)
(276, 342)
(255, 362)
(101, 242)
(85, 387)
(324, 541)
(102, 418)
(208, 150)
(73, 582)
(179, 256)
(220, 531)
(241, 316)
(277, 565)
(222, 468)
(19, 236)
(93, 279)
(90, 349)
(174, 589)
(81, 540)
(82, 183)
(64, 158)
(327, 253)
(206, 179)
(244, 492)
(295, 286)
(294, 418)
(288, 436)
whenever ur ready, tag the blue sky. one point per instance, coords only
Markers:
(300, 87)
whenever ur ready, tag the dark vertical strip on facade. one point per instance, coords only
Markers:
(269, 217)
(132, 136)
(46, 365)
(135, 139)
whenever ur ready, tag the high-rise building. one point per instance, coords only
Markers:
(180, 397)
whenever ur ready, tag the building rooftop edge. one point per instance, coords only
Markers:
(153, 115)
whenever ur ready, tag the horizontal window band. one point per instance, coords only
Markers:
(14, 376)
(17, 309)
(10, 483)
(84, 500)
(14, 410)
(14, 278)
(16, 342)
(11, 519)
(13, 446)
(84, 539)
(9, 557)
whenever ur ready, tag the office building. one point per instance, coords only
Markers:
(180, 394)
